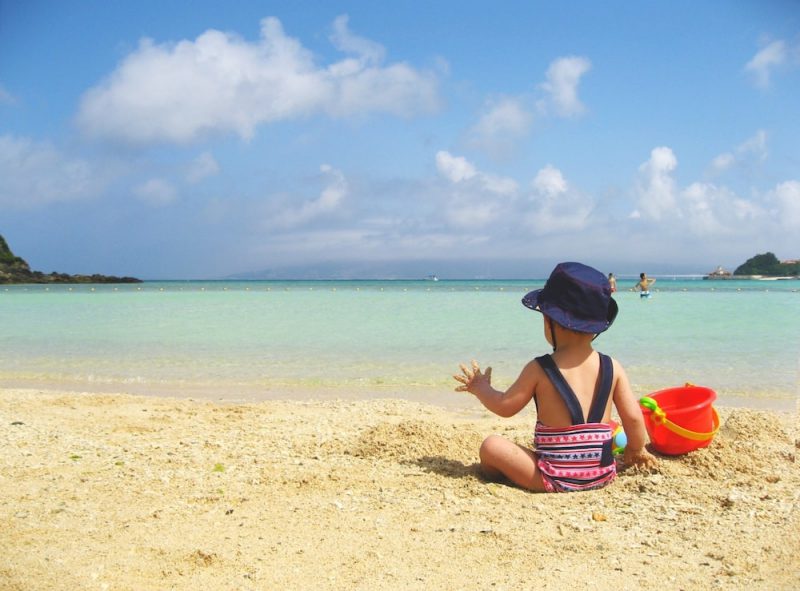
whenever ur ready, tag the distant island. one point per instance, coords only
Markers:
(761, 266)
(14, 269)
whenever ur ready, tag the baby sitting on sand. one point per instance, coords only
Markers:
(573, 389)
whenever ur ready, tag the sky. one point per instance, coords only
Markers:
(204, 140)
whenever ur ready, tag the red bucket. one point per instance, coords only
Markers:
(680, 420)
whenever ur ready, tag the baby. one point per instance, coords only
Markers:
(573, 390)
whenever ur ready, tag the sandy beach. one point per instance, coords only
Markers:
(105, 491)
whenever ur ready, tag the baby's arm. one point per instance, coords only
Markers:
(632, 421)
(504, 404)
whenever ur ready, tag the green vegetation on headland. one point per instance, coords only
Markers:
(762, 266)
(14, 269)
(768, 265)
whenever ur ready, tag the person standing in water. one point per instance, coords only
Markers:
(612, 281)
(644, 285)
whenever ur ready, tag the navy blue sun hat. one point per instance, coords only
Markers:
(576, 296)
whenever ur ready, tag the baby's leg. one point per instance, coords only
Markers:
(501, 457)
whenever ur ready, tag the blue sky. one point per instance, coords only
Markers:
(206, 139)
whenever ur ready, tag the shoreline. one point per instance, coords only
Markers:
(367, 494)
(443, 397)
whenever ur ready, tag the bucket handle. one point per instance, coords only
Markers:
(659, 417)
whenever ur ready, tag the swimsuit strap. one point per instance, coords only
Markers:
(598, 408)
(600, 401)
(563, 388)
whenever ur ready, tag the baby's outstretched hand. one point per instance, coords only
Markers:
(641, 458)
(473, 379)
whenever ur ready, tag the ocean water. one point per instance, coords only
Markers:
(252, 340)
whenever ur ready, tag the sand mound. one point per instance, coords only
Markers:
(744, 451)
(414, 440)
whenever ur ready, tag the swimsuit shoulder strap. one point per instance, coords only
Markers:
(563, 388)
(600, 401)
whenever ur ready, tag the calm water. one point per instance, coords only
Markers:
(251, 340)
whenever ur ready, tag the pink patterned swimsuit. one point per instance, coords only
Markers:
(577, 457)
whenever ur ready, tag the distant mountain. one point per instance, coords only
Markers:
(14, 269)
(522, 269)
(402, 269)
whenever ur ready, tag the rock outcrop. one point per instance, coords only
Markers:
(14, 269)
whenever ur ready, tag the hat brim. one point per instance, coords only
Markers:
(531, 300)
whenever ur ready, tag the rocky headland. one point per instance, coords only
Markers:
(14, 269)
(761, 266)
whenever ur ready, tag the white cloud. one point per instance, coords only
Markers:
(505, 121)
(329, 200)
(702, 203)
(710, 210)
(472, 214)
(202, 167)
(479, 198)
(555, 206)
(460, 215)
(334, 192)
(35, 173)
(476, 198)
(345, 41)
(753, 149)
(770, 57)
(156, 192)
(458, 169)
(655, 191)
(706, 209)
(454, 168)
(549, 181)
(723, 162)
(786, 199)
(221, 83)
(397, 89)
(563, 77)
(499, 185)
(756, 145)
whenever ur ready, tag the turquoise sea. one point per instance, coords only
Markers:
(249, 340)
